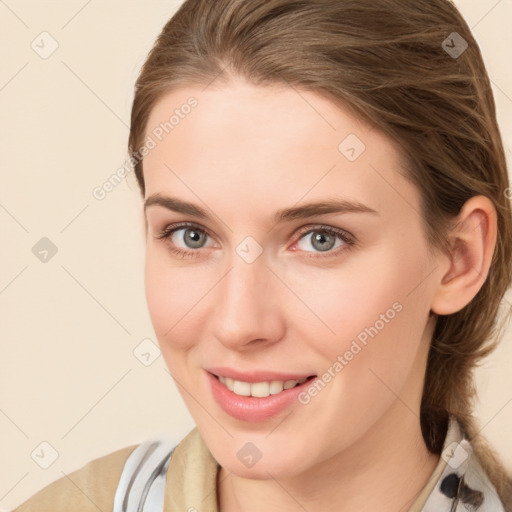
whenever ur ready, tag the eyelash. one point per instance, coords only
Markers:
(348, 239)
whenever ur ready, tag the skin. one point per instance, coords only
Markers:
(243, 153)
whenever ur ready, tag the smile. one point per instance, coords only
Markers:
(268, 393)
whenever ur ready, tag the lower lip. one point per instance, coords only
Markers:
(250, 408)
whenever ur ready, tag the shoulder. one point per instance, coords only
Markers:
(89, 488)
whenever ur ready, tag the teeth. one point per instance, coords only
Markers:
(241, 388)
(258, 389)
(276, 386)
(229, 383)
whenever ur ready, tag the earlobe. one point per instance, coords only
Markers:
(465, 269)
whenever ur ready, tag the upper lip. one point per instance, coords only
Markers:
(256, 375)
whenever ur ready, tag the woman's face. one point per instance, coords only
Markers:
(264, 287)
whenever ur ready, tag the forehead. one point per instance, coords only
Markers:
(268, 144)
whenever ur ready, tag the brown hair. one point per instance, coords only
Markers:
(385, 60)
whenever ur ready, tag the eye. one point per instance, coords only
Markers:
(323, 239)
(184, 239)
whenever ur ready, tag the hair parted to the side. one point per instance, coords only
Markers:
(384, 60)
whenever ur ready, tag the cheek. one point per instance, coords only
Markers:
(171, 293)
(378, 325)
(367, 292)
(373, 312)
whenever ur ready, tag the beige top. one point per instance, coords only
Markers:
(89, 489)
(191, 481)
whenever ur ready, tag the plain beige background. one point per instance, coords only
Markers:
(74, 384)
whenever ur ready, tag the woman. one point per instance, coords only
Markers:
(329, 238)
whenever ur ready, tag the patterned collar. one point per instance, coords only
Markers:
(463, 485)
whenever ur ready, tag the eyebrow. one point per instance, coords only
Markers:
(286, 214)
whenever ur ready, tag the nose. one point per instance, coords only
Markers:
(247, 309)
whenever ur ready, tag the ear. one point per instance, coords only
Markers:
(465, 269)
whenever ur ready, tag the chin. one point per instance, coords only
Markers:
(274, 464)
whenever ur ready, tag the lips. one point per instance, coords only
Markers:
(250, 399)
